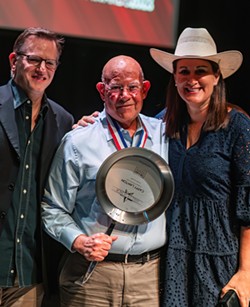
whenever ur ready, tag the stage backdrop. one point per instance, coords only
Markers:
(144, 22)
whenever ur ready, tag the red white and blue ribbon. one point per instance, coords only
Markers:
(118, 138)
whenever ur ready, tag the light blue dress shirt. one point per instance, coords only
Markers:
(70, 206)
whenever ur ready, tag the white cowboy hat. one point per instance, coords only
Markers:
(198, 43)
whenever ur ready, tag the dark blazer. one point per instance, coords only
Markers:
(57, 122)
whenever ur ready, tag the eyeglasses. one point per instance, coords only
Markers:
(37, 61)
(118, 89)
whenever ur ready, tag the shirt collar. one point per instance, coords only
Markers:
(103, 119)
(18, 94)
(20, 97)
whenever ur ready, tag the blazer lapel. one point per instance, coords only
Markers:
(50, 142)
(7, 119)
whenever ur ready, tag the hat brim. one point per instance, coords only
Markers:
(228, 61)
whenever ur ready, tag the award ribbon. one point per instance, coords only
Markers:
(118, 138)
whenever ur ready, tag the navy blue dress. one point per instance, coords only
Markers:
(211, 202)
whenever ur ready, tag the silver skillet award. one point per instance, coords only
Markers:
(134, 186)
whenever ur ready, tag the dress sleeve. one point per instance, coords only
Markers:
(241, 169)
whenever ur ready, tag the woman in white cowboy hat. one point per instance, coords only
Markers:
(209, 219)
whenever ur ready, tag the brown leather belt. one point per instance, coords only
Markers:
(142, 258)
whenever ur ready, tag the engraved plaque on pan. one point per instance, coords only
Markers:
(134, 186)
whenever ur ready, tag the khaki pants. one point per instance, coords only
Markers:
(111, 284)
(21, 297)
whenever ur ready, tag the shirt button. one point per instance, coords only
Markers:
(27, 117)
(27, 166)
(28, 101)
(12, 271)
(21, 216)
(24, 191)
(2, 215)
(17, 240)
(11, 186)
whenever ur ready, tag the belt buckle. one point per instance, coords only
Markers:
(146, 257)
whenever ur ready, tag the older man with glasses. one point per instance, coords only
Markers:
(128, 267)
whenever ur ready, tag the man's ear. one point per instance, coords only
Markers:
(12, 61)
(145, 88)
(100, 86)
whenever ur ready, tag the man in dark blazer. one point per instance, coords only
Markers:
(31, 127)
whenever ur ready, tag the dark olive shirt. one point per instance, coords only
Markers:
(20, 240)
